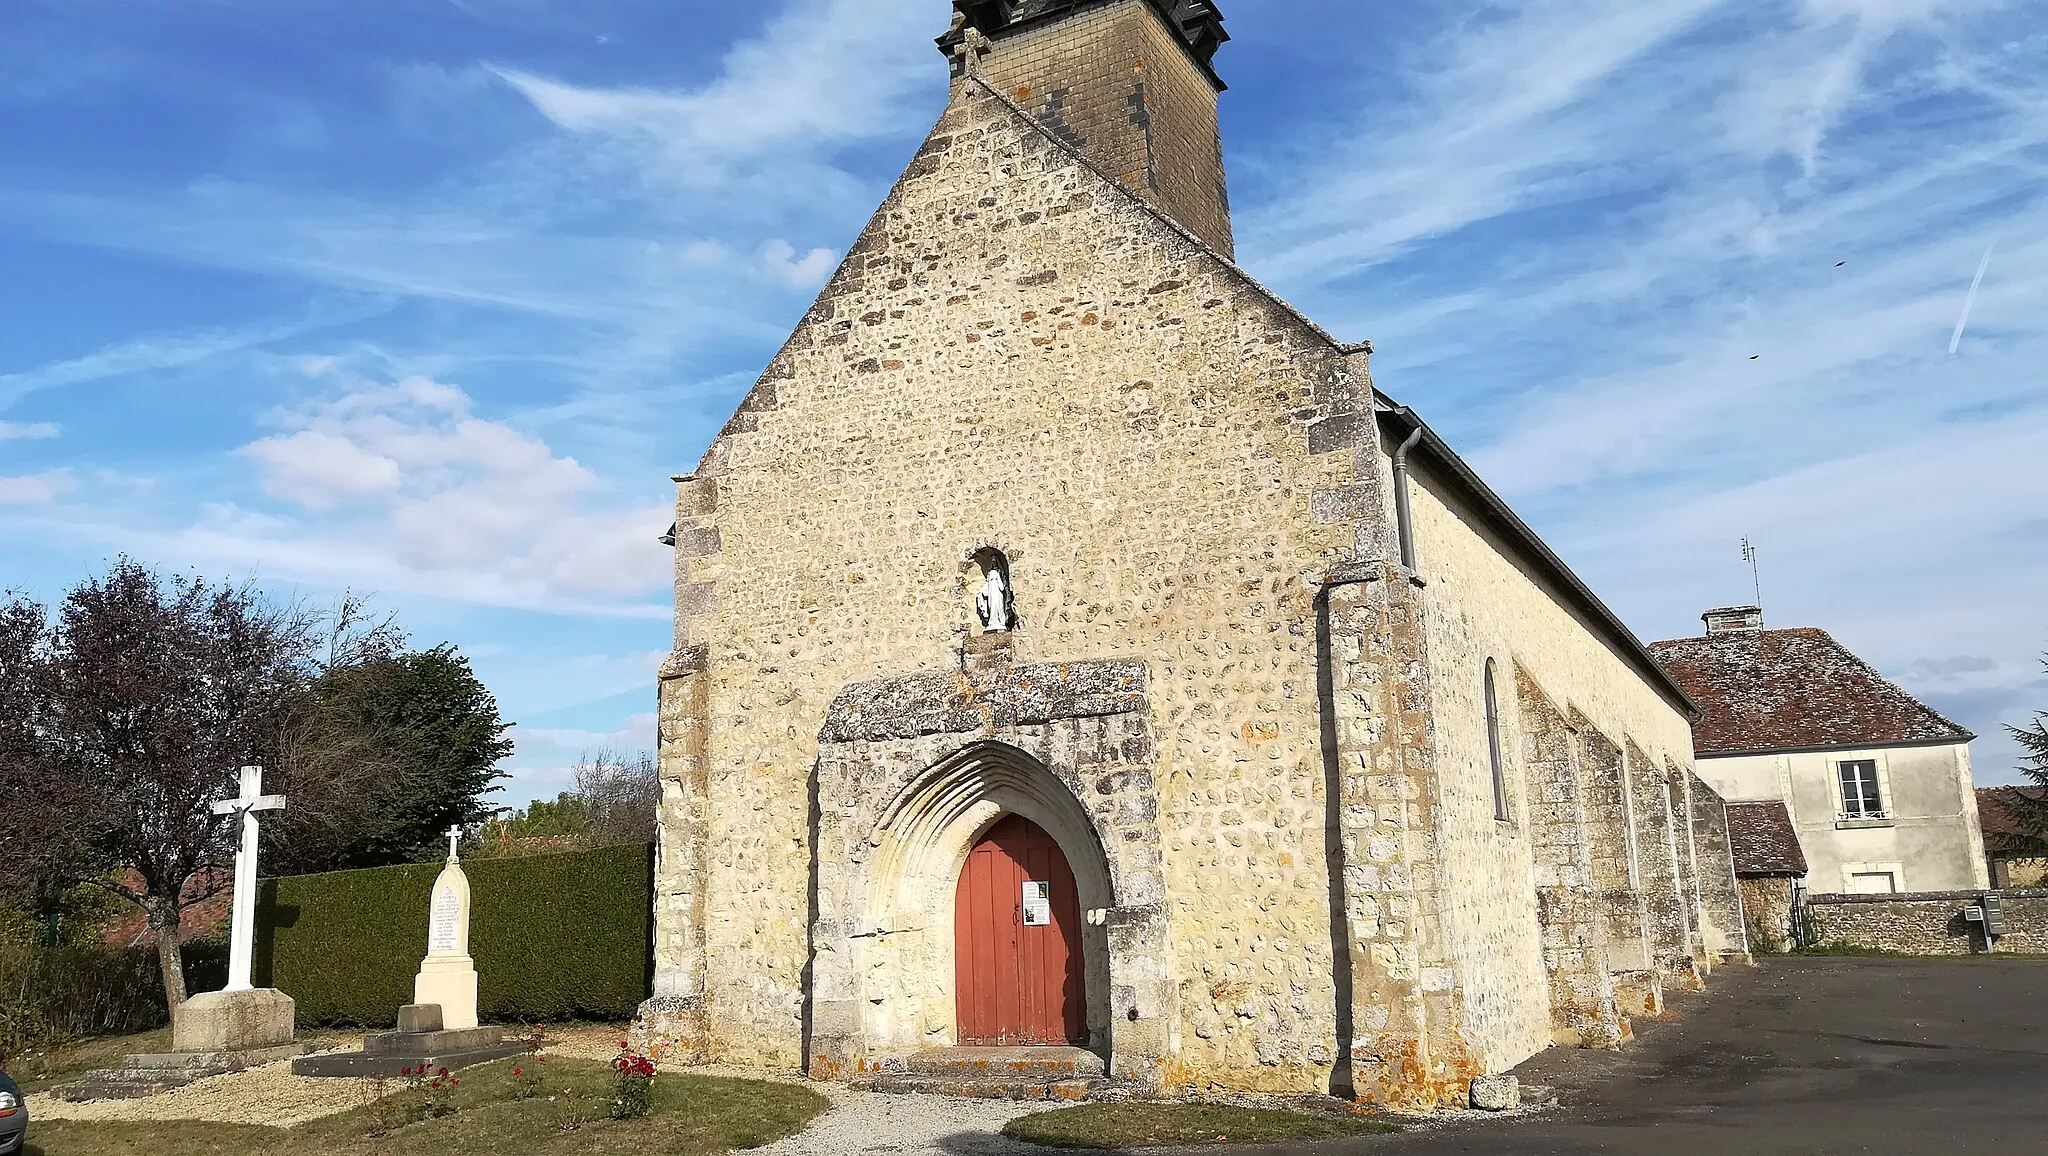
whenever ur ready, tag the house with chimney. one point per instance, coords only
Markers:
(1876, 785)
(1077, 657)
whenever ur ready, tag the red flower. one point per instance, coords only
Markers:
(517, 1072)
(442, 1072)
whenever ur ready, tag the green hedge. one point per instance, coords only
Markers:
(554, 937)
(52, 994)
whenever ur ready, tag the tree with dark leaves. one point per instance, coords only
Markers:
(153, 692)
(126, 715)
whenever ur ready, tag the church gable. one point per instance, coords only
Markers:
(995, 210)
(1015, 324)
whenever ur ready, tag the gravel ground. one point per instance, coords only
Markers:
(864, 1122)
(267, 1095)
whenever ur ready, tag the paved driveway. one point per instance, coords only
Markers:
(1801, 1057)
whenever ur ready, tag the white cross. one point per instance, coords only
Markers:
(242, 930)
(454, 837)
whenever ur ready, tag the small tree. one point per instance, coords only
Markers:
(2029, 808)
(153, 692)
(622, 796)
(386, 751)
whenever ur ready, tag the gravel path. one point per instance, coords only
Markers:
(869, 1122)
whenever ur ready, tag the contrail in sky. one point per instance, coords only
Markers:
(1955, 343)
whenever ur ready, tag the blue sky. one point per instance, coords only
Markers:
(428, 298)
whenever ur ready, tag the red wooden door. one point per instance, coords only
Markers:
(1018, 984)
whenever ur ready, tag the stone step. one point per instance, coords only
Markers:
(986, 1087)
(132, 1083)
(390, 1065)
(1000, 1063)
(215, 1062)
(154, 1074)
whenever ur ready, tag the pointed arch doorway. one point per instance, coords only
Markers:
(1019, 972)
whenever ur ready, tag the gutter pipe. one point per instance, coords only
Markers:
(1404, 518)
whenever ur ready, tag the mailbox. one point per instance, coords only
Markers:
(1991, 909)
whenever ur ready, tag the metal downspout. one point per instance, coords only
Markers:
(1404, 518)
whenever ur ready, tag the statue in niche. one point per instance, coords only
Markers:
(996, 605)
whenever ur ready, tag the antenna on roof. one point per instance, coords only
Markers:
(1755, 573)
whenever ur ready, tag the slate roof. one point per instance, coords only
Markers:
(1764, 841)
(1777, 690)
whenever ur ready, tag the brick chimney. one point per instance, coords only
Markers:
(1734, 620)
(1128, 83)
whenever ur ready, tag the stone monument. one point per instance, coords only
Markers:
(448, 975)
(223, 1031)
(439, 1028)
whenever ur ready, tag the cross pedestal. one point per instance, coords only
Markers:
(220, 1031)
(240, 1018)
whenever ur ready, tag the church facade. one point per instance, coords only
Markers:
(1073, 647)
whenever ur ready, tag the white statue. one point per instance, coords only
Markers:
(994, 604)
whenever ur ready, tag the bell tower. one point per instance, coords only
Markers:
(1131, 84)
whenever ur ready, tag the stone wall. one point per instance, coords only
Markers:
(1930, 923)
(1767, 912)
(1117, 85)
(1285, 818)
(1019, 355)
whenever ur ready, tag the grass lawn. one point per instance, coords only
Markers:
(1176, 1125)
(692, 1116)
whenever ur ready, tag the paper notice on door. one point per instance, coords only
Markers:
(1038, 905)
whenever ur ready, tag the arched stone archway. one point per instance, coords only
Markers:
(920, 848)
(900, 803)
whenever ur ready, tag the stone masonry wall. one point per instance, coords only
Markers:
(1115, 84)
(1484, 604)
(1930, 923)
(1767, 913)
(1018, 355)
(1723, 933)
(1182, 475)
(1573, 913)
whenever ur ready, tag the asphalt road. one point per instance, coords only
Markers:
(1798, 1057)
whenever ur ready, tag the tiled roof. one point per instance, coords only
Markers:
(2002, 831)
(1770, 690)
(1764, 841)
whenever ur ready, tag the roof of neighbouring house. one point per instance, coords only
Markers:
(1763, 840)
(1777, 690)
(2002, 831)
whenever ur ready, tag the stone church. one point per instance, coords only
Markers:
(1074, 650)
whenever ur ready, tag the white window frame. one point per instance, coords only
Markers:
(1849, 810)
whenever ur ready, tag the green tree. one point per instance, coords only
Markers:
(387, 752)
(2029, 808)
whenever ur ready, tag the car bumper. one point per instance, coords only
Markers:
(11, 1134)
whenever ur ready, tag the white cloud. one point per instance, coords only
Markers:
(779, 259)
(36, 489)
(823, 73)
(408, 472)
(172, 351)
(545, 761)
(27, 431)
(1672, 275)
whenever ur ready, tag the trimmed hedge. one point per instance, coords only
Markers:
(554, 937)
